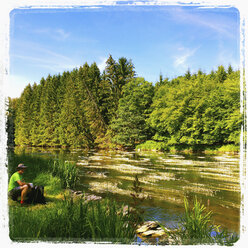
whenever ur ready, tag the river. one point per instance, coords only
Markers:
(165, 179)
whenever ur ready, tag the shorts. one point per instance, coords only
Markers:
(15, 193)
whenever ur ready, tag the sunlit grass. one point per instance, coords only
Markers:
(73, 220)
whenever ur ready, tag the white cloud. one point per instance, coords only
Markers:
(101, 65)
(45, 58)
(56, 34)
(220, 26)
(182, 59)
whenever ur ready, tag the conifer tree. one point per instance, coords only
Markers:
(221, 74)
(24, 118)
(74, 128)
(130, 126)
(188, 74)
(35, 108)
(94, 97)
(48, 108)
(11, 116)
(118, 74)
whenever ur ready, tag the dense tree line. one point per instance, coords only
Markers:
(198, 109)
(87, 108)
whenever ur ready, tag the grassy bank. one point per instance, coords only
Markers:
(151, 145)
(64, 218)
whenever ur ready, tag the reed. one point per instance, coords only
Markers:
(196, 223)
(66, 171)
(196, 227)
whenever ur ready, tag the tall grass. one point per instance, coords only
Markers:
(196, 227)
(196, 223)
(72, 220)
(68, 219)
(66, 171)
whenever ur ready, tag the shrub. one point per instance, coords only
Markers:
(152, 145)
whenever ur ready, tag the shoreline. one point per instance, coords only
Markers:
(225, 149)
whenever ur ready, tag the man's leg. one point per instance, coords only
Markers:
(14, 193)
(25, 189)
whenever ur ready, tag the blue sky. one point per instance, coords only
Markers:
(163, 40)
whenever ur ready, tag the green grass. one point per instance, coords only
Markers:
(229, 148)
(196, 224)
(72, 220)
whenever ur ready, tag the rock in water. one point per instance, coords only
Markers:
(151, 229)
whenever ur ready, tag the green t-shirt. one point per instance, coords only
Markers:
(13, 180)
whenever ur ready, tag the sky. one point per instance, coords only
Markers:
(165, 40)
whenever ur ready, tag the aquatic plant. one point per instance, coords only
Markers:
(196, 223)
(196, 227)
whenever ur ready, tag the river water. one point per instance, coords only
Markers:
(165, 179)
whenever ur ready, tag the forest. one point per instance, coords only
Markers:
(85, 108)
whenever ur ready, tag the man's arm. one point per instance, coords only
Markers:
(21, 183)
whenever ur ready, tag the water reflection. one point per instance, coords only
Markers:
(166, 179)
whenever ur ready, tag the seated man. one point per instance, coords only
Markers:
(17, 187)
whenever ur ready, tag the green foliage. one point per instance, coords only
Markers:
(198, 110)
(196, 223)
(84, 108)
(130, 127)
(69, 110)
(24, 117)
(196, 227)
(10, 124)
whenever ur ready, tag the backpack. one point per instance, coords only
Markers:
(36, 195)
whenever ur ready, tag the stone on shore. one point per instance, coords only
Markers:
(86, 196)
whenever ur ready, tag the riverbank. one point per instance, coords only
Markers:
(207, 149)
(147, 146)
